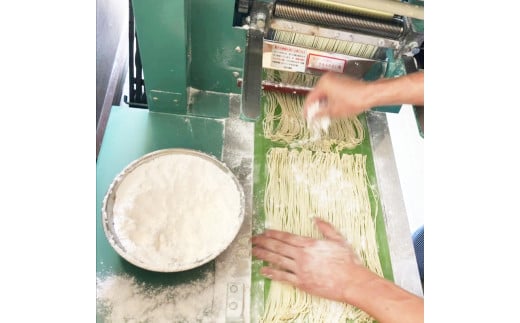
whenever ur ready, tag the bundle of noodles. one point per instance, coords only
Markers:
(284, 122)
(301, 185)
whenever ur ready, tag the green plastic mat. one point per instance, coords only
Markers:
(259, 284)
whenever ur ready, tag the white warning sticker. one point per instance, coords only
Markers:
(288, 58)
(326, 63)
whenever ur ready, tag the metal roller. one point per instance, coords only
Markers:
(324, 44)
(391, 29)
(344, 8)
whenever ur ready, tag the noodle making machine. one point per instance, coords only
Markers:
(195, 80)
(363, 39)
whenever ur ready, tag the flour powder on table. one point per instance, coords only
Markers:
(176, 209)
(124, 299)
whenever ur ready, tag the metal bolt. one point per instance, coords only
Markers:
(413, 44)
(155, 98)
(233, 288)
(233, 305)
(236, 74)
(260, 20)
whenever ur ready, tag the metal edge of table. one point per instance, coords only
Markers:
(402, 254)
(233, 266)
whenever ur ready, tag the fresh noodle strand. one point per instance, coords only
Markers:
(304, 184)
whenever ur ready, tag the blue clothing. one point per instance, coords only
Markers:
(418, 245)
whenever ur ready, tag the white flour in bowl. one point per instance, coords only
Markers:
(176, 210)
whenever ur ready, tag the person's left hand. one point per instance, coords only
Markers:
(327, 268)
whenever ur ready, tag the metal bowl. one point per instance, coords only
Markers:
(224, 239)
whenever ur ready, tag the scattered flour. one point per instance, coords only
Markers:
(314, 124)
(121, 299)
(177, 210)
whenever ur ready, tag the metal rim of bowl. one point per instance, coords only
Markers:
(109, 200)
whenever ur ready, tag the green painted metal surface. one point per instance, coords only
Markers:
(394, 68)
(214, 42)
(187, 43)
(418, 24)
(130, 134)
(209, 104)
(161, 28)
(259, 284)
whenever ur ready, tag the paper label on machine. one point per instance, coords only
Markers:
(326, 63)
(288, 58)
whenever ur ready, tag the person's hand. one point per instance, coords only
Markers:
(341, 96)
(327, 268)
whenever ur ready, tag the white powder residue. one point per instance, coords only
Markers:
(176, 210)
(334, 181)
(324, 252)
(120, 298)
(314, 124)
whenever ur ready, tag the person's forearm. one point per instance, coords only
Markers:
(408, 89)
(385, 301)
